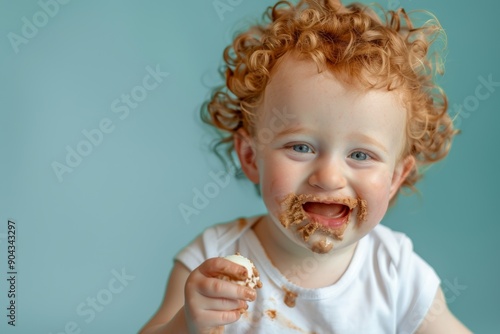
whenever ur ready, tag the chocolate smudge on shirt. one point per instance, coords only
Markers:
(290, 297)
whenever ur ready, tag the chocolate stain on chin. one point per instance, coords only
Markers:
(294, 215)
(322, 246)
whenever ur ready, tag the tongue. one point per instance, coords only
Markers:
(328, 210)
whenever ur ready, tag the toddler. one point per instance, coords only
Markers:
(331, 110)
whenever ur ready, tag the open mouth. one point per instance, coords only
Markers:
(330, 215)
(309, 213)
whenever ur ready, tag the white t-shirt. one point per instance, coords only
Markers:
(387, 288)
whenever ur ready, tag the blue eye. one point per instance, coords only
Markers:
(358, 155)
(301, 148)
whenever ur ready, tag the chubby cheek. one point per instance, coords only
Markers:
(375, 190)
(275, 184)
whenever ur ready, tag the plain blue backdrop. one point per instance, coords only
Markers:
(95, 244)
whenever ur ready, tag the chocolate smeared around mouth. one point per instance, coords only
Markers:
(331, 210)
(297, 207)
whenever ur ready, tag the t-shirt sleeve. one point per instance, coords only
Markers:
(205, 246)
(192, 255)
(418, 284)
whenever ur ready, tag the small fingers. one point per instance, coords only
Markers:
(218, 304)
(216, 312)
(217, 288)
(212, 301)
(219, 318)
(222, 304)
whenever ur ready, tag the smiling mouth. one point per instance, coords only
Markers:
(332, 215)
(310, 213)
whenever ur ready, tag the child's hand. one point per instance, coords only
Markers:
(211, 301)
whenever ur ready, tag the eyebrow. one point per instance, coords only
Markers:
(292, 131)
(365, 138)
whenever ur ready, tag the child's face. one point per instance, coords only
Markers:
(326, 142)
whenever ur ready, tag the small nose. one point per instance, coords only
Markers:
(328, 175)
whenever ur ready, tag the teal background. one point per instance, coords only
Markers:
(118, 210)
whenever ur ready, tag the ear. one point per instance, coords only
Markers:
(244, 146)
(403, 168)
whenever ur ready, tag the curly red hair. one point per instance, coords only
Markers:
(376, 51)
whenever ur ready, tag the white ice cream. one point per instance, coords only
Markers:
(253, 279)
